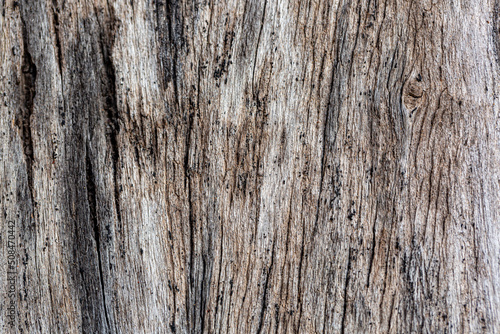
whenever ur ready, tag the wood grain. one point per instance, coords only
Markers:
(250, 166)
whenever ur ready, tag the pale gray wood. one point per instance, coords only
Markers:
(251, 166)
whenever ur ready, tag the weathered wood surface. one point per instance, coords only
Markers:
(251, 166)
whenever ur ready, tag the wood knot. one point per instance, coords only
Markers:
(413, 93)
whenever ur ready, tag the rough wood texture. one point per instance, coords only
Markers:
(250, 166)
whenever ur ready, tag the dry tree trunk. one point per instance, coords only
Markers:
(250, 166)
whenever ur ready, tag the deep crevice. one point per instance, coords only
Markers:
(55, 23)
(28, 78)
(111, 108)
(92, 202)
(192, 221)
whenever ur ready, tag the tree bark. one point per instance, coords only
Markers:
(250, 166)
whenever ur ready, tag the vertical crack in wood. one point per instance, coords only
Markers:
(192, 294)
(285, 260)
(300, 292)
(113, 118)
(322, 163)
(175, 53)
(263, 306)
(92, 202)
(170, 46)
(346, 287)
(372, 250)
(106, 41)
(349, 75)
(258, 42)
(496, 30)
(28, 78)
(204, 292)
(55, 24)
